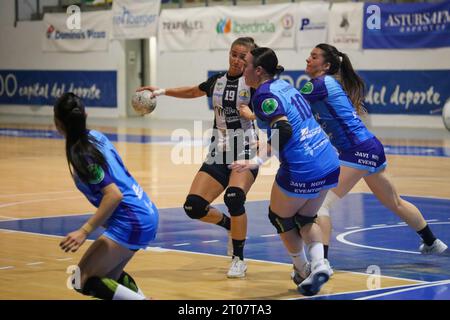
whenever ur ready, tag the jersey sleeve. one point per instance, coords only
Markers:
(314, 90)
(100, 177)
(208, 85)
(267, 107)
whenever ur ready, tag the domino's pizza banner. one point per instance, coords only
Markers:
(415, 92)
(39, 87)
(406, 26)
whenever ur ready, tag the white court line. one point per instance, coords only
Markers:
(48, 217)
(290, 264)
(42, 234)
(156, 249)
(63, 259)
(432, 220)
(379, 225)
(35, 193)
(181, 244)
(268, 235)
(160, 249)
(351, 228)
(210, 241)
(34, 263)
(7, 267)
(10, 204)
(6, 217)
(341, 238)
(433, 284)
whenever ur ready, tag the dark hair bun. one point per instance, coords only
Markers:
(279, 69)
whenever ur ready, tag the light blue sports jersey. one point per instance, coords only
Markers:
(308, 151)
(335, 112)
(135, 220)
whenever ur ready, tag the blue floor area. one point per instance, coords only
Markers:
(353, 214)
(114, 137)
(425, 292)
(433, 291)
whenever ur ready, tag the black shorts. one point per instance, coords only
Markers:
(221, 172)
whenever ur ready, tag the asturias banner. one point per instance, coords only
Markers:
(42, 87)
(406, 26)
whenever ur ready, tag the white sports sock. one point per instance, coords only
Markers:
(299, 259)
(316, 251)
(123, 293)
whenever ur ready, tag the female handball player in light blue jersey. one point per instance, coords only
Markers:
(336, 95)
(309, 165)
(130, 218)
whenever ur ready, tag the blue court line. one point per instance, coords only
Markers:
(114, 137)
(53, 134)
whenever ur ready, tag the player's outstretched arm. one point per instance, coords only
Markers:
(180, 92)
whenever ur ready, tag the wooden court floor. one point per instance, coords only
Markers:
(35, 182)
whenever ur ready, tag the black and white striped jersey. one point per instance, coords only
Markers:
(228, 93)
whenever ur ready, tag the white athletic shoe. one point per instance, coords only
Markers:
(230, 245)
(437, 247)
(238, 268)
(329, 266)
(320, 274)
(298, 276)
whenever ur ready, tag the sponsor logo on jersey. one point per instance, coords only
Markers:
(244, 93)
(97, 173)
(219, 86)
(307, 88)
(269, 106)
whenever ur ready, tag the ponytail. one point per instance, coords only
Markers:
(81, 150)
(341, 67)
(353, 84)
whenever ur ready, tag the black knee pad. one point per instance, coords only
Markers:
(90, 286)
(281, 224)
(234, 200)
(196, 207)
(302, 221)
(99, 288)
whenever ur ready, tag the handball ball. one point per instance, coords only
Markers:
(143, 102)
(446, 115)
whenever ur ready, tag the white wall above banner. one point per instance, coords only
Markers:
(313, 23)
(345, 25)
(92, 33)
(186, 29)
(135, 19)
(270, 25)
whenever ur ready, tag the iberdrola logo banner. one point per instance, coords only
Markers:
(271, 26)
